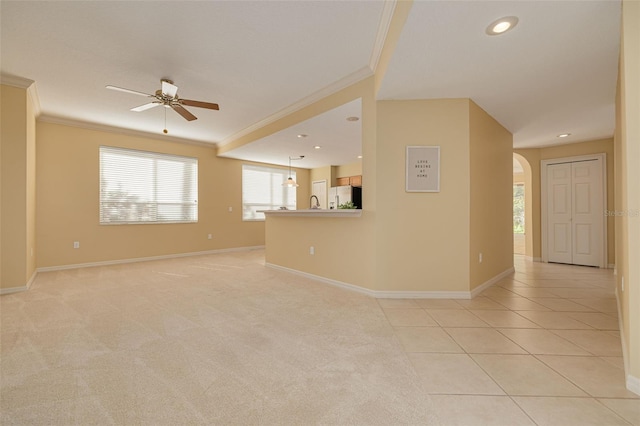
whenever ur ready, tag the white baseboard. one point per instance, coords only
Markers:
(329, 281)
(25, 287)
(145, 259)
(12, 290)
(491, 282)
(423, 295)
(381, 294)
(632, 383)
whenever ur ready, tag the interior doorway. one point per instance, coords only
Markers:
(519, 236)
(319, 189)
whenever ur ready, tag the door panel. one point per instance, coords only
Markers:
(561, 199)
(559, 213)
(587, 212)
(582, 198)
(583, 239)
(562, 239)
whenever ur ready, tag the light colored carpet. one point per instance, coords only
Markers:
(221, 339)
(202, 340)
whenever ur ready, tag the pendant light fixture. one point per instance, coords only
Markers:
(290, 182)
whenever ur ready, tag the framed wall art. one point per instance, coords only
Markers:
(423, 169)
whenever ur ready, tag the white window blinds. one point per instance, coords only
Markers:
(262, 190)
(147, 187)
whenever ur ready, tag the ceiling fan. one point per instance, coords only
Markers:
(168, 96)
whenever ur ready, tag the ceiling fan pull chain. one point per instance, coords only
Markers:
(165, 121)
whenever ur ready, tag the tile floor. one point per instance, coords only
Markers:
(221, 339)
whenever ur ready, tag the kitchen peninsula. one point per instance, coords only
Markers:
(315, 213)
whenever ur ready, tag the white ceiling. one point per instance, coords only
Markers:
(338, 146)
(554, 73)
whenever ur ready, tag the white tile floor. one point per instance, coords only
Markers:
(541, 347)
(221, 339)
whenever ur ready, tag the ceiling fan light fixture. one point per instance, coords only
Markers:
(167, 96)
(502, 25)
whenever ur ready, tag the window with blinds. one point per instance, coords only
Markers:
(147, 187)
(262, 190)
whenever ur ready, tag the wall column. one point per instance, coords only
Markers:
(17, 185)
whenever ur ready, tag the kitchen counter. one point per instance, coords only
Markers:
(315, 212)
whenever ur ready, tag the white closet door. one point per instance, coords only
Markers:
(559, 213)
(587, 212)
(575, 207)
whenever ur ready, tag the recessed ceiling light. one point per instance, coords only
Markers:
(359, 156)
(353, 118)
(564, 135)
(502, 25)
(302, 135)
(317, 147)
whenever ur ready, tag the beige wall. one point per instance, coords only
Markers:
(627, 145)
(534, 156)
(18, 187)
(344, 247)
(423, 238)
(30, 253)
(321, 173)
(491, 202)
(68, 194)
(351, 169)
(412, 241)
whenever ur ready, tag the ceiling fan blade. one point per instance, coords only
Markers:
(169, 89)
(120, 89)
(199, 104)
(146, 106)
(183, 112)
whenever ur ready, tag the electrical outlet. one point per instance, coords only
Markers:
(209, 236)
(480, 258)
(76, 244)
(312, 250)
(230, 209)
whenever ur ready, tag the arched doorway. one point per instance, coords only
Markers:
(519, 246)
(522, 203)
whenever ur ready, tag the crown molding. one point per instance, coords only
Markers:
(28, 85)
(381, 35)
(15, 81)
(119, 130)
(335, 87)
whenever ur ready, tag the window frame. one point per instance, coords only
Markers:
(280, 175)
(154, 205)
